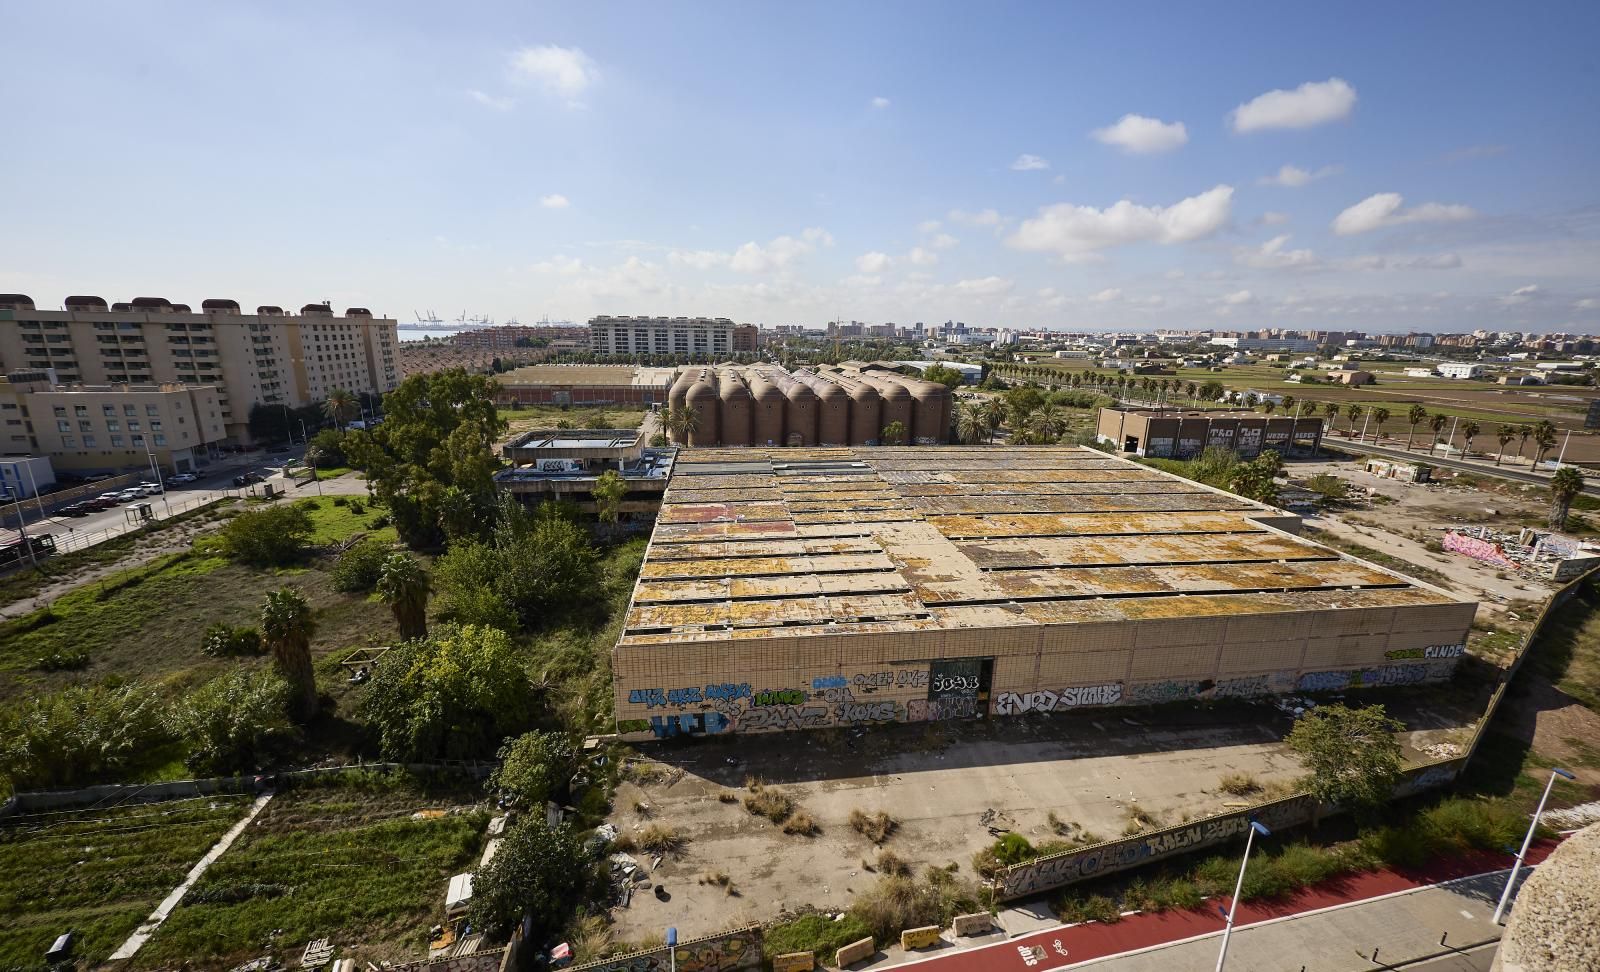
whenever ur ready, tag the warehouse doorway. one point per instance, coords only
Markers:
(958, 688)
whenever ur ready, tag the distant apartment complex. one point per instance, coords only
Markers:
(267, 358)
(93, 428)
(513, 337)
(670, 335)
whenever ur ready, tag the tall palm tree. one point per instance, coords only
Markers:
(403, 585)
(1415, 414)
(1436, 422)
(1544, 439)
(1189, 389)
(682, 422)
(341, 406)
(1331, 410)
(1307, 406)
(1523, 431)
(1503, 435)
(1566, 484)
(1380, 415)
(287, 627)
(994, 415)
(1353, 411)
(971, 422)
(1469, 430)
(1046, 423)
(1288, 404)
(1269, 406)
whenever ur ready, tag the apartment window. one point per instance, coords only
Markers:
(109, 411)
(138, 440)
(88, 442)
(116, 441)
(63, 425)
(60, 411)
(155, 425)
(69, 442)
(84, 425)
(161, 440)
(151, 410)
(130, 410)
(133, 426)
(80, 410)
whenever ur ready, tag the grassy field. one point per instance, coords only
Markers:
(100, 872)
(344, 859)
(530, 417)
(1570, 655)
(148, 620)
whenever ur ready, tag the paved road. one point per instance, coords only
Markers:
(1463, 465)
(1327, 929)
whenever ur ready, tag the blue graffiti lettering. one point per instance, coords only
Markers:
(829, 681)
(728, 690)
(651, 698)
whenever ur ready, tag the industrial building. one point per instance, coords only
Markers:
(565, 464)
(1173, 434)
(800, 588)
(765, 405)
(271, 357)
(585, 385)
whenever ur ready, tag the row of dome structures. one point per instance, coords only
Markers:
(761, 405)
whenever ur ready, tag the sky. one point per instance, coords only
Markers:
(1358, 166)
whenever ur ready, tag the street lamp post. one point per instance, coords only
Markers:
(672, 949)
(1256, 827)
(1511, 880)
(156, 472)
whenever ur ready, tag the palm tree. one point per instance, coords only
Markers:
(1354, 412)
(403, 585)
(1566, 484)
(1046, 423)
(682, 422)
(1544, 439)
(1380, 415)
(994, 415)
(1307, 407)
(1189, 389)
(971, 422)
(1269, 406)
(1436, 423)
(1523, 431)
(1504, 434)
(1249, 400)
(1415, 414)
(1288, 404)
(1331, 410)
(340, 406)
(1468, 431)
(287, 627)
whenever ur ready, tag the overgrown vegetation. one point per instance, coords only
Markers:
(535, 568)
(876, 827)
(268, 536)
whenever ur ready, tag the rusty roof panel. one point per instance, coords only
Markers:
(1090, 524)
(765, 566)
(1029, 552)
(1179, 500)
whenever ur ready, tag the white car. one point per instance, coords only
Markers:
(149, 489)
(181, 478)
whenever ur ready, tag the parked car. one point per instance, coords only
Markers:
(246, 478)
(147, 489)
(76, 509)
(181, 478)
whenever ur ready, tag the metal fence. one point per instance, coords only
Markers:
(73, 539)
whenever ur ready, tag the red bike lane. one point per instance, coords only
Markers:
(1056, 947)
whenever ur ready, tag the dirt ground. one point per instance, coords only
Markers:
(952, 788)
(1418, 514)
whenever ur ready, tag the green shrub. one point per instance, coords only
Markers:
(534, 767)
(230, 720)
(223, 640)
(80, 735)
(358, 567)
(357, 507)
(65, 660)
(814, 933)
(1014, 848)
(269, 536)
(897, 903)
(1095, 907)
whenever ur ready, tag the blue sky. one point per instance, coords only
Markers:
(1064, 165)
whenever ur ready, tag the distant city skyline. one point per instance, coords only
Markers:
(1149, 166)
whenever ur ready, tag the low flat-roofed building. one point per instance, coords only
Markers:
(565, 464)
(551, 384)
(1171, 434)
(110, 428)
(804, 588)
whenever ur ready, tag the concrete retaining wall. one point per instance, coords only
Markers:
(855, 952)
(725, 952)
(979, 924)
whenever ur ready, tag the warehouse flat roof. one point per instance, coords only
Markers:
(761, 542)
(593, 375)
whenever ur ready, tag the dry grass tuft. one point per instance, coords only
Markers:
(801, 825)
(891, 864)
(660, 839)
(776, 806)
(876, 827)
(1238, 784)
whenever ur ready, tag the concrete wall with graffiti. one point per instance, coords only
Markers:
(725, 952)
(1070, 867)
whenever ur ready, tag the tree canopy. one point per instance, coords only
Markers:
(539, 870)
(1353, 755)
(943, 374)
(269, 536)
(534, 565)
(432, 461)
(533, 768)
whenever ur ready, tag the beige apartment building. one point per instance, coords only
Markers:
(270, 357)
(715, 337)
(110, 428)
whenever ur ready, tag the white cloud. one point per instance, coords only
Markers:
(922, 257)
(1106, 296)
(863, 280)
(1524, 294)
(929, 226)
(987, 217)
(1045, 292)
(1143, 136)
(698, 259)
(490, 101)
(566, 72)
(1029, 163)
(1385, 209)
(1076, 232)
(874, 262)
(1313, 103)
(752, 257)
(564, 265)
(1293, 177)
(554, 201)
(1588, 303)
(880, 102)
(982, 286)
(1270, 218)
(1438, 261)
(1238, 297)
(1271, 255)
(943, 241)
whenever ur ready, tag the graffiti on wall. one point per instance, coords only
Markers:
(1160, 448)
(1249, 442)
(737, 951)
(1383, 675)
(1478, 549)
(1012, 703)
(1432, 651)
(653, 698)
